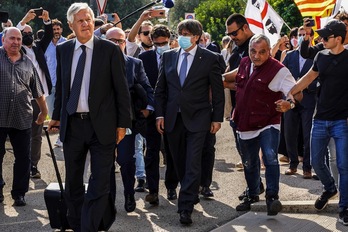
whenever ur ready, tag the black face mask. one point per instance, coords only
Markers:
(145, 46)
(27, 40)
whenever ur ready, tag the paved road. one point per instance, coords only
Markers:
(228, 183)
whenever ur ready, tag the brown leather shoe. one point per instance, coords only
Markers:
(284, 159)
(307, 175)
(291, 171)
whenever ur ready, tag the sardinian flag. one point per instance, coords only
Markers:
(263, 19)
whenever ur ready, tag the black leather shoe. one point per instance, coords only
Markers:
(185, 217)
(206, 192)
(141, 186)
(152, 198)
(129, 203)
(19, 201)
(171, 194)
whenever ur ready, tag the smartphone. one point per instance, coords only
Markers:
(110, 17)
(310, 23)
(38, 11)
(158, 13)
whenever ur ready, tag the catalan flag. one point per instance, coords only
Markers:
(314, 8)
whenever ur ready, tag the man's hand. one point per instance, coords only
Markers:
(28, 17)
(282, 105)
(145, 112)
(45, 16)
(53, 125)
(214, 127)
(41, 118)
(120, 134)
(104, 28)
(160, 125)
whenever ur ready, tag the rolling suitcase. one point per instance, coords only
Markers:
(56, 206)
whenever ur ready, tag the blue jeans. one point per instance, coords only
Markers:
(139, 157)
(322, 131)
(268, 141)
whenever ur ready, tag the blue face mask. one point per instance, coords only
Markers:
(184, 42)
(162, 49)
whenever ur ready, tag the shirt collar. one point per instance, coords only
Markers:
(89, 43)
(192, 51)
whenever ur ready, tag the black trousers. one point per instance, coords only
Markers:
(208, 157)
(85, 212)
(36, 136)
(186, 149)
(20, 141)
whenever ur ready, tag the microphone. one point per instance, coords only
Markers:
(168, 3)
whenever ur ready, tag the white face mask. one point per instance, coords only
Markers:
(294, 42)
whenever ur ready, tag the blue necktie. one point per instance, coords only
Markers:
(76, 86)
(183, 69)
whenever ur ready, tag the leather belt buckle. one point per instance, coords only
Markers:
(82, 116)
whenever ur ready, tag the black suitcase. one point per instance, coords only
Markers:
(55, 204)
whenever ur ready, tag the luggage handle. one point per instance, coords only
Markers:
(59, 178)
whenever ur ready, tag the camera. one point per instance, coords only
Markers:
(3, 16)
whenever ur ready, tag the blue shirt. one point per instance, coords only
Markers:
(0, 38)
(51, 60)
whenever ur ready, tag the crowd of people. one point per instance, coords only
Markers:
(123, 97)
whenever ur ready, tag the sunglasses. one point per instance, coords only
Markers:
(326, 39)
(117, 41)
(234, 33)
(145, 33)
(301, 34)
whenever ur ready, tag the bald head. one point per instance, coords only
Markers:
(117, 36)
(12, 41)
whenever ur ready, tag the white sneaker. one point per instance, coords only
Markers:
(58, 143)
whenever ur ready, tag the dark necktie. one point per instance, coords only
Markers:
(183, 69)
(76, 86)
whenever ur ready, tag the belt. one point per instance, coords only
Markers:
(82, 116)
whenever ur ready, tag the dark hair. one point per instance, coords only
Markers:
(192, 25)
(160, 30)
(293, 32)
(39, 34)
(56, 22)
(237, 18)
(98, 22)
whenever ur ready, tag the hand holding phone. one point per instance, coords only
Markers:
(38, 11)
(310, 23)
(158, 13)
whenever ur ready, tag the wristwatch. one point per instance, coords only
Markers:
(292, 104)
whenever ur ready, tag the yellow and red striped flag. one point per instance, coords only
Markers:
(314, 8)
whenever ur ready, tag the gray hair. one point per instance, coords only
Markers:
(75, 8)
(258, 38)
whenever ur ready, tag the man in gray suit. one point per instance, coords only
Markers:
(184, 110)
(92, 107)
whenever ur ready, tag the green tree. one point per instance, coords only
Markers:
(177, 13)
(213, 14)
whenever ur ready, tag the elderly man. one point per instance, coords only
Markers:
(260, 81)
(92, 107)
(19, 84)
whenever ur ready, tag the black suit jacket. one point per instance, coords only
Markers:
(149, 59)
(108, 100)
(39, 48)
(291, 61)
(193, 98)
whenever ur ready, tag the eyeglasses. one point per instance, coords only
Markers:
(234, 33)
(326, 39)
(145, 33)
(117, 41)
(160, 44)
(27, 33)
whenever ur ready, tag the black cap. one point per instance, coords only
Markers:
(3, 16)
(333, 27)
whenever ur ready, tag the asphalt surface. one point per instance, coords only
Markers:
(217, 213)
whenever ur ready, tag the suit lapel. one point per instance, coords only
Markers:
(95, 62)
(70, 52)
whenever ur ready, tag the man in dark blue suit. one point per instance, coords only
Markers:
(160, 35)
(303, 114)
(125, 150)
(92, 108)
(184, 111)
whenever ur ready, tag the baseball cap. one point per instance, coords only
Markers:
(333, 27)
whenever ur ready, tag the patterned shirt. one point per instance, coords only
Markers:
(19, 83)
